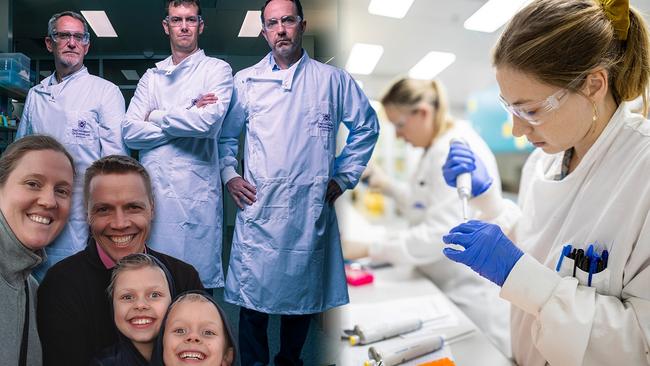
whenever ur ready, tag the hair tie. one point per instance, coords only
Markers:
(618, 13)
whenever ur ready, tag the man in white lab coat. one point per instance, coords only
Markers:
(174, 119)
(286, 254)
(82, 111)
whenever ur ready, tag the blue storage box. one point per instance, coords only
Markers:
(15, 63)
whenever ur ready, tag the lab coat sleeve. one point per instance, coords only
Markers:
(110, 122)
(493, 208)
(361, 120)
(138, 133)
(202, 122)
(399, 192)
(230, 131)
(574, 325)
(25, 125)
(422, 243)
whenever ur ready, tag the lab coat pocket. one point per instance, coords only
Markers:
(317, 196)
(599, 281)
(189, 180)
(322, 123)
(273, 200)
(566, 268)
(81, 128)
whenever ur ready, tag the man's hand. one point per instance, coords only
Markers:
(241, 191)
(333, 191)
(206, 99)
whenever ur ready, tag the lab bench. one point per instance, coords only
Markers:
(406, 283)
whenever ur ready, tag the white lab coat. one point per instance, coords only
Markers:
(432, 208)
(286, 253)
(84, 113)
(605, 200)
(178, 146)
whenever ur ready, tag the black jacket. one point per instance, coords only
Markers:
(123, 353)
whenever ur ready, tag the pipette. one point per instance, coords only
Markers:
(463, 183)
(384, 330)
(415, 347)
(397, 354)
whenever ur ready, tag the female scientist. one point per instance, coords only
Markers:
(36, 175)
(418, 110)
(578, 276)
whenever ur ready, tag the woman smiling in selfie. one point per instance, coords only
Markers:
(36, 175)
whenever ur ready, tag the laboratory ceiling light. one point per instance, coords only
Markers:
(390, 8)
(130, 75)
(493, 14)
(431, 65)
(252, 25)
(363, 58)
(99, 23)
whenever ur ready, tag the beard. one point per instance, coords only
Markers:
(70, 60)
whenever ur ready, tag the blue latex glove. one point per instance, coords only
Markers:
(487, 250)
(461, 159)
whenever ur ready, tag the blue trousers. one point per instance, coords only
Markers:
(253, 340)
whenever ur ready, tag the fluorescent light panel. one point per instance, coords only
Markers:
(130, 75)
(99, 23)
(431, 65)
(252, 25)
(363, 58)
(493, 14)
(390, 8)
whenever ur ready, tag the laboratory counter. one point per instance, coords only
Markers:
(405, 292)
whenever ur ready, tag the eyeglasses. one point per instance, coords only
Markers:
(64, 37)
(178, 21)
(532, 112)
(288, 21)
(404, 121)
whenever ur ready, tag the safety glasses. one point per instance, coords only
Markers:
(287, 21)
(534, 112)
(65, 37)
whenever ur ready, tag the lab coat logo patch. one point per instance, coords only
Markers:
(81, 132)
(325, 123)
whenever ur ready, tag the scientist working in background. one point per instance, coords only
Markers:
(75, 318)
(286, 252)
(174, 119)
(82, 111)
(36, 178)
(418, 109)
(578, 276)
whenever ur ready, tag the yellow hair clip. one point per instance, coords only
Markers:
(618, 12)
